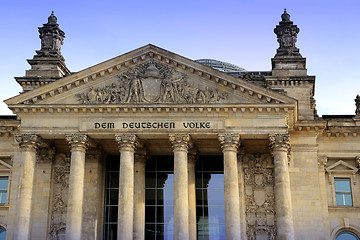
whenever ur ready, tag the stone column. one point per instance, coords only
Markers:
(139, 194)
(78, 146)
(243, 224)
(192, 155)
(127, 144)
(229, 144)
(180, 144)
(280, 146)
(29, 144)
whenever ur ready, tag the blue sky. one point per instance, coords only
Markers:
(239, 32)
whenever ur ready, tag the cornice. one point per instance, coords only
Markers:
(186, 108)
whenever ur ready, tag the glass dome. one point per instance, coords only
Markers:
(221, 66)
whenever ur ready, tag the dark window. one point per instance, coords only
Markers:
(159, 198)
(210, 212)
(111, 197)
(343, 192)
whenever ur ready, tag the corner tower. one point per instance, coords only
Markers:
(48, 65)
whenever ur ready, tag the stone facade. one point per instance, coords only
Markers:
(281, 161)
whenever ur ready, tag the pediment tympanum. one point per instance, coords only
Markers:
(149, 76)
(152, 82)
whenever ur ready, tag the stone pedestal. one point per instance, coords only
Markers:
(139, 194)
(78, 145)
(127, 144)
(229, 144)
(29, 144)
(180, 144)
(280, 146)
(192, 193)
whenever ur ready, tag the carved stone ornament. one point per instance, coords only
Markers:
(322, 161)
(259, 196)
(141, 154)
(357, 104)
(229, 141)
(52, 38)
(45, 155)
(279, 142)
(286, 33)
(126, 142)
(180, 142)
(77, 142)
(151, 82)
(357, 159)
(28, 142)
(60, 189)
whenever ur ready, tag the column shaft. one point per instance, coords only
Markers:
(229, 144)
(180, 144)
(28, 147)
(139, 196)
(192, 196)
(78, 146)
(280, 146)
(127, 144)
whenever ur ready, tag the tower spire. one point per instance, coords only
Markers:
(48, 65)
(287, 60)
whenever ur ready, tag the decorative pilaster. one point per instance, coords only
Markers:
(139, 193)
(192, 156)
(181, 144)
(29, 144)
(280, 146)
(230, 144)
(78, 144)
(127, 144)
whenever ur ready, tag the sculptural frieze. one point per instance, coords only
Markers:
(151, 82)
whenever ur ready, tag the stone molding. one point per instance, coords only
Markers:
(103, 108)
(29, 142)
(45, 155)
(126, 142)
(229, 141)
(180, 142)
(77, 142)
(279, 142)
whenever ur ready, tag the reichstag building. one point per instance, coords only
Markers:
(153, 145)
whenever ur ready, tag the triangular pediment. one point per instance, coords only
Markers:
(149, 75)
(341, 167)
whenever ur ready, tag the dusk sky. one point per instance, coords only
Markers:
(238, 32)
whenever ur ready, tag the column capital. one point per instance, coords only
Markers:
(77, 142)
(192, 155)
(28, 142)
(229, 141)
(45, 155)
(126, 142)
(180, 142)
(279, 142)
(141, 154)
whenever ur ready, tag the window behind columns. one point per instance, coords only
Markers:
(210, 212)
(111, 197)
(159, 198)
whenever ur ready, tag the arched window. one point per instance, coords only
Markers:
(2, 233)
(347, 235)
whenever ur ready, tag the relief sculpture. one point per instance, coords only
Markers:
(151, 82)
(259, 196)
(60, 187)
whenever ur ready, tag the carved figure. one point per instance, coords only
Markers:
(136, 91)
(357, 104)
